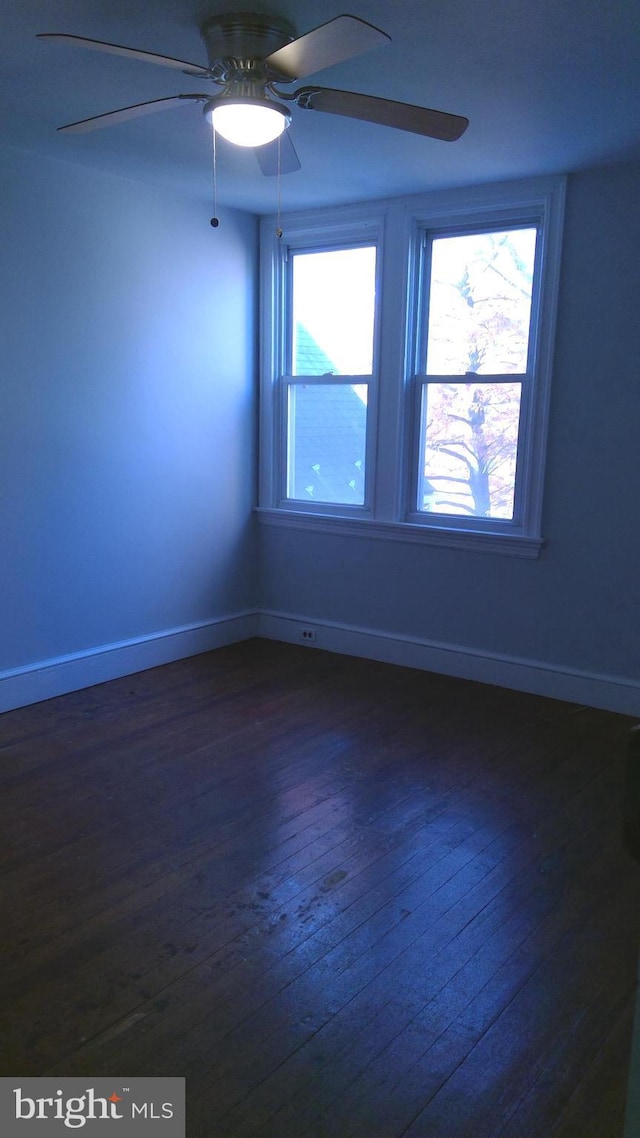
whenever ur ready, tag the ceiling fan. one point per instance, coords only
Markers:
(250, 55)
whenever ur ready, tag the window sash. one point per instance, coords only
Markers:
(292, 251)
(419, 516)
(425, 237)
(329, 378)
(285, 385)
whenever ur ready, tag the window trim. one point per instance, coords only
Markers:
(483, 542)
(282, 383)
(396, 227)
(423, 236)
(275, 380)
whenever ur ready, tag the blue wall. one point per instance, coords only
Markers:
(127, 458)
(577, 607)
(127, 431)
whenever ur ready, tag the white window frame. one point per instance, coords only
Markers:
(398, 229)
(277, 369)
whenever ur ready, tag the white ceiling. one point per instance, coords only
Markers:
(549, 86)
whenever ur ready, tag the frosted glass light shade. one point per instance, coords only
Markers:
(249, 123)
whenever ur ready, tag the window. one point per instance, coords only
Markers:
(406, 366)
(474, 336)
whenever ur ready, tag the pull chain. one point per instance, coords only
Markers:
(215, 220)
(278, 227)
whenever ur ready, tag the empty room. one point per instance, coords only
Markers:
(320, 598)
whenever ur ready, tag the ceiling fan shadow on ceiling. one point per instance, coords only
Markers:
(250, 56)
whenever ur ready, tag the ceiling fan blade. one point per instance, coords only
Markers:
(330, 43)
(125, 113)
(129, 52)
(268, 157)
(402, 116)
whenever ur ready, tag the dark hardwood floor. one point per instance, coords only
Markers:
(344, 899)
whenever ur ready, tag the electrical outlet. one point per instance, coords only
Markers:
(308, 635)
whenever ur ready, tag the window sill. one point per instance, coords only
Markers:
(510, 545)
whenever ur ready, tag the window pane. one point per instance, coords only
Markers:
(469, 445)
(326, 443)
(333, 309)
(480, 303)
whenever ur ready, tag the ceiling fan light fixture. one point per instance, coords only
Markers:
(247, 121)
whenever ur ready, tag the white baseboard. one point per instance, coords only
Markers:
(611, 693)
(48, 678)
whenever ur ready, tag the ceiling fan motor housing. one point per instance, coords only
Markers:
(244, 36)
